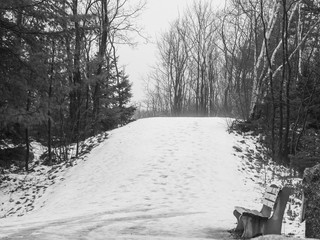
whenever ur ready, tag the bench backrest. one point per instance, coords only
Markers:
(275, 222)
(270, 196)
(269, 199)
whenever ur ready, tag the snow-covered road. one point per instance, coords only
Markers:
(160, 178)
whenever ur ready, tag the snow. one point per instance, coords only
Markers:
(157, 178)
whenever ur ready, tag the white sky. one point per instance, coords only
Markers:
(155, 19)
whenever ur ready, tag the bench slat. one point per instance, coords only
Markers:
(273, 190)
(268, 203)
(270, 197)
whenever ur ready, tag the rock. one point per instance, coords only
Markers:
(311, 191)
(275, 237)
(303, 162)
(237, 149)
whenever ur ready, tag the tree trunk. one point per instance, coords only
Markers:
(256, 89)
(270, 71)
(76, 112)
(101, 57)
(49, 103)
(27, 142)
(27, 149)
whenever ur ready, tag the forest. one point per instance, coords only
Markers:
(60, 78)
(254, 60)
(247, 74)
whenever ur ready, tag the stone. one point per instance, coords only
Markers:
(277, 237)
(311, 192)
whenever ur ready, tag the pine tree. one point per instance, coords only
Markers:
(123, 95)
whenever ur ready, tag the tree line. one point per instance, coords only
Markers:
(257, 60)
(60, 77)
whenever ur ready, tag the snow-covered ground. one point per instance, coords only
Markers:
(157, 178)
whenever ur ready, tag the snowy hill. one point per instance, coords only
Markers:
(158, 178)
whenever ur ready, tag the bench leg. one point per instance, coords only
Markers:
(239, 227)
(253, 226)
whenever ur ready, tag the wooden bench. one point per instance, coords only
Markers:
(252, 223)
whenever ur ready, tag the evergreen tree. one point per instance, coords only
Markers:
(55, 86)
(123, 95)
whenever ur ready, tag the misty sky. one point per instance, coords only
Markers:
(155, 19)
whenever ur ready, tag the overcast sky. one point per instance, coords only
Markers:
(155, 19)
